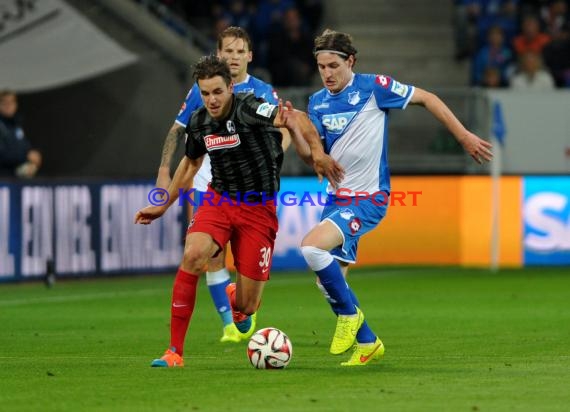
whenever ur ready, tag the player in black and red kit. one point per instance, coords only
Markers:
(240, 134)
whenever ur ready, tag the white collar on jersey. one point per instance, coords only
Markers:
(343, 89)
(245, 81)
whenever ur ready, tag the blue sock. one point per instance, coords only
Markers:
(365, 334)
(218, 293)
(332, 280)
(244, 325)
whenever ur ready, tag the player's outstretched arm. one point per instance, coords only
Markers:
(299, 124)
(171, 142)
(183, 179)
(478, 149)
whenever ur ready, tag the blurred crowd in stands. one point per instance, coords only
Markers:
(521, 44)
(281, 31)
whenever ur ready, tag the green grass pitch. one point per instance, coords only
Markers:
(456, 340)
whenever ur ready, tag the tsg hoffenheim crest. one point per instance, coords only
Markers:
(346, 214)
(230, 126)
(353, 97)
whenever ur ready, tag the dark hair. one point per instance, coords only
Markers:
(337, 42)
(5, 93)
(212, 66)
(238, 33)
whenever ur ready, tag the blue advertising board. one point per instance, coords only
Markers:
(546, 215)
(83, 229)
(299, 207)
(87, 228)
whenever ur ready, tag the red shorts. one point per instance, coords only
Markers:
(250, 229)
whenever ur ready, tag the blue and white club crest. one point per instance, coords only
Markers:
(354, 97)
(346, 214)
(230, 126)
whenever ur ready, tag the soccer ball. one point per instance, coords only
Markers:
(269, 348)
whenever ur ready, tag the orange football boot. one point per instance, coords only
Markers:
(170, 359)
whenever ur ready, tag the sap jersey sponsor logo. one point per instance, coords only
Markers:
(247, 90)
(336, 123)
(383, 81)
(399, 88)
(547, 223)
(215, 142)
(265, 109)
(354, 97)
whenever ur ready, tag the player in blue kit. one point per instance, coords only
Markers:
(351, 115)
(235, 46)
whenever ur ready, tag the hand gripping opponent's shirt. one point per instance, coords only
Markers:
(354, 127)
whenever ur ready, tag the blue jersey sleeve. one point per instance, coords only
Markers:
(314, 118)
(266, 92)
(259, 88)
(390, 93)
(272, 96)
(192, 102)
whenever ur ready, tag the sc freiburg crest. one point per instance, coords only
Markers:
(230, 126)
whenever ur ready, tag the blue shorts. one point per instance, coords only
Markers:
(352, 220)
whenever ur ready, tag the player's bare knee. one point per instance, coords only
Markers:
(194, 259)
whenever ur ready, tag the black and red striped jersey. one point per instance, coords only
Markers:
(244, 148)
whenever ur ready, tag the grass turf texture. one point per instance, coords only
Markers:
(456, 340)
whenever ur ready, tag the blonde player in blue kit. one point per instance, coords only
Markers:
(234, 45)
(351, 115)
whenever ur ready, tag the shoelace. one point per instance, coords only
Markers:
(344, 326)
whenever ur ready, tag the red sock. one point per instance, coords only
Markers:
(183, 301)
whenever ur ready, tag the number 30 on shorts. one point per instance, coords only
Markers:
(265, 257)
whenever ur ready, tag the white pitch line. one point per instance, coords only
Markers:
(81, 297)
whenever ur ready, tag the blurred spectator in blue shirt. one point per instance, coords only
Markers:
(239, 13)
(474, 18)
(268, 14)
(502, 13)
(495, 54)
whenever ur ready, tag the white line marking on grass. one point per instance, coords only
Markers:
(80, 297)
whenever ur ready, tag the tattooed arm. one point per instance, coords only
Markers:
(173, 139)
